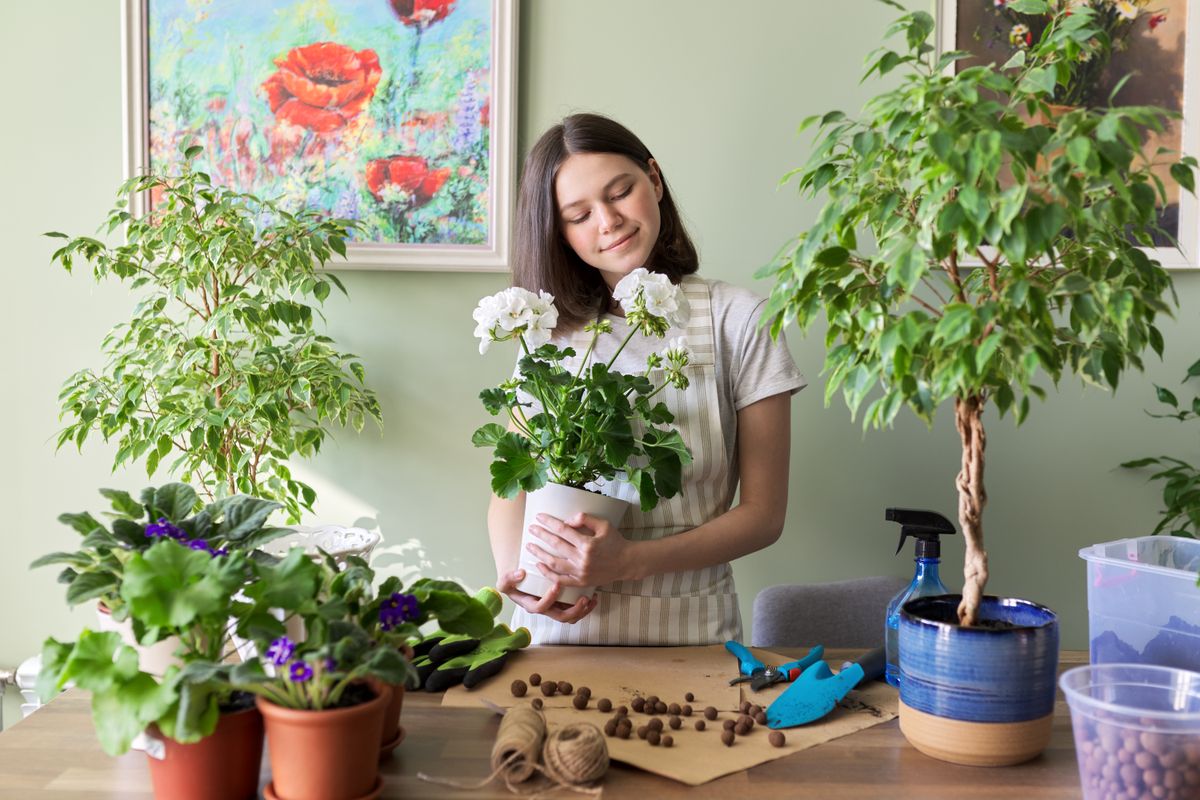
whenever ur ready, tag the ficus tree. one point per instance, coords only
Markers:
(220, 374)
(973, 238)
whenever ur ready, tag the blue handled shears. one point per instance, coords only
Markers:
(760, 675)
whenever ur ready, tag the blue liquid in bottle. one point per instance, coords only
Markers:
(925, 582)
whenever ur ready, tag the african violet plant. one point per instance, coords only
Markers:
(576, 427)
(971, 238)
(98, 568)
(220, 374)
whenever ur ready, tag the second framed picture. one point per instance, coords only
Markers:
(398, 114)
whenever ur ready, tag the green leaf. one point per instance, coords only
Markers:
(488, 435)
(956, 324)
(1166, 396)
(174, 501)
(1039, 80)
(1183, 176)
(89, 586)
(123, 503)
(245, 515)
(123, 712)
(515, 468)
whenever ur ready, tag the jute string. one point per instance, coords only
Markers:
(575, 754)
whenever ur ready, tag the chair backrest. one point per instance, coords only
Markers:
(840, 614)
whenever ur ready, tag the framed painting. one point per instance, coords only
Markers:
(1155, 46)
(399, 114)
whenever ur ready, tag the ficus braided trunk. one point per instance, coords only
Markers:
(972, 497)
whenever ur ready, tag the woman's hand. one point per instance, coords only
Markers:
(582, 551)
(548, 605)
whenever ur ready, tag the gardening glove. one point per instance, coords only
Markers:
(480, 663)
(438, 648)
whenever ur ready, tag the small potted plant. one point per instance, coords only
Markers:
(205, 739)
(220, 375)
(576, 425)
(324, 698)
(97, 570)
(969, 240)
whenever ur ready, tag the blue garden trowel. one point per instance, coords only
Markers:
(815, 693)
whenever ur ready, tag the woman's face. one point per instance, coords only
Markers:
(608, 211)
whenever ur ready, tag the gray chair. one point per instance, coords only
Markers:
(840, 614)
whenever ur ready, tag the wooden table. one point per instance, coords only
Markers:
(54, 755)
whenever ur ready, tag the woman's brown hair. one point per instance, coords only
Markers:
(542, 258)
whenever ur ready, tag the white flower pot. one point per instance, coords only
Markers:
(154, 658)
(563, 502)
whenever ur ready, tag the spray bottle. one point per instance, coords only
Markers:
(926, 527)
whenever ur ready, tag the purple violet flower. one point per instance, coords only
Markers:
(300, 672)
(199, 544)
(281, 650)
(164, 529)
(330, 665)
(397, 609)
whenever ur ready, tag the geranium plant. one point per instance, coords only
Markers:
(1018, 26)
(591, 423)
(944, 170)
(1180, 479)
(98, 568)
(220, 374)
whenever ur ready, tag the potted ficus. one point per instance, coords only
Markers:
(220, 374)
(575, 424)
(324, 697)
(968, 240)
(205, 739)
(97, 569)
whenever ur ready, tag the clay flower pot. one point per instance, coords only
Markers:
(223, 766)
(325, 755)
(393, 731)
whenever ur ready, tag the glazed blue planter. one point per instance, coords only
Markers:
(979, 695)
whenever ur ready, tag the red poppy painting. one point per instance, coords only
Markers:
(379, 111)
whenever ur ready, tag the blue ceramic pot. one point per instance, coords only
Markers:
(978, 674)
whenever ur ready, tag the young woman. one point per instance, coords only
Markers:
(594, 206)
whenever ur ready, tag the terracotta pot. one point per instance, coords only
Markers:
(223, 766)
(325, 755)
(393, 731)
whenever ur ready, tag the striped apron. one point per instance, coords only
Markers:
(688, 607)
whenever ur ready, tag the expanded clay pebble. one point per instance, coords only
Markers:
(643, 731)
(727, 738)
(580, 701)
(754, 710)
(667, 741)
(728, 724)
(537, 703)
(1122, 762)
(675, 722)
(638, 703)
(741, 729)
(761, 718)
(710, 713)
(652, 700)
(565, 687)
(660, 707)
(519, 688)
(623, 711)
(604, 704)
(655, 724)
(686, 711)
(653, 737)
(535, 679)
(585, 691)
(622, 732)
(744, 707)
(699, 724)
(776, 739)
(674, 708)
(548, 689)
(689, 697)
(610, 728)
(746, 720)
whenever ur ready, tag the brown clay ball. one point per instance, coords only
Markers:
(744, 707)
(686, 711)
(519, 688)
(580, 702)
(727, 738)
(699, 724)
(689, 697)
(747, 720)
(667, 741)
(675, 722)
(655, 724)
(643, 731)
(660, 707)
(624, 722)
(728, 724)
(604, 704)
(652, 700)
(776, 739)
(535, 679)
(623, 711)
(761, 718)
(674, 708)
(537, 703)
(622, 732)
(653, 737)
(610, 728)
(585, 691)
(565, 687)
(548, 689)
(740, 729)
(710, 713)
(638, 704)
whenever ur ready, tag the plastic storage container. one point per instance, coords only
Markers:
(1143, 602)
(1137, 730)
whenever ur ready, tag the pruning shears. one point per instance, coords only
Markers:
(759, 675)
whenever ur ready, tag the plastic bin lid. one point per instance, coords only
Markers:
(1166, 555)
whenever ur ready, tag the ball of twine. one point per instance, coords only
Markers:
(575, 754)
(515, 753)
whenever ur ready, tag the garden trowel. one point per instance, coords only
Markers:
(815, 693)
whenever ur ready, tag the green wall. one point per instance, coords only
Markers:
(716, 93)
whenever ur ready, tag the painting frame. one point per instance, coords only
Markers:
(494, 256)
(1187, 257)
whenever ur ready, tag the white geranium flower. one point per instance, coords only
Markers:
(655, 293)
(677, 350)
(512, 312)
(516, 310)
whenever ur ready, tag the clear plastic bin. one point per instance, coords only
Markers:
(1137, 730)
(1143, 602)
